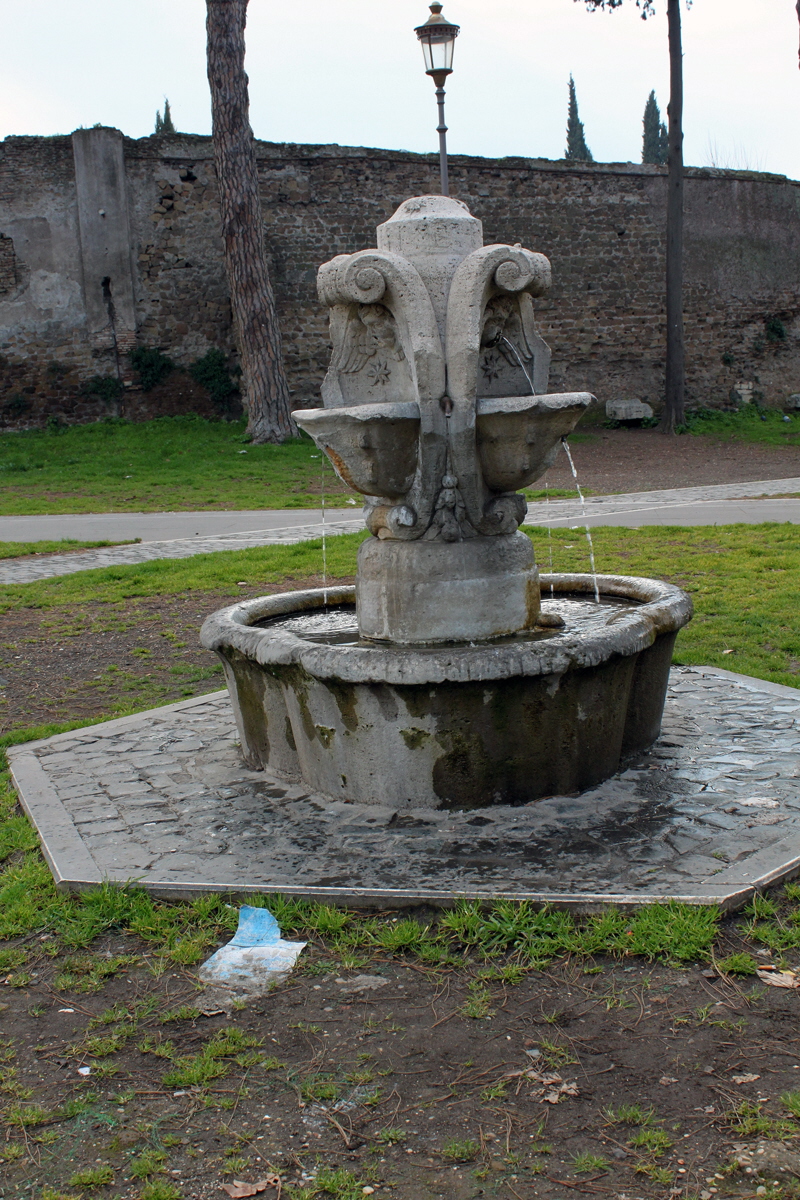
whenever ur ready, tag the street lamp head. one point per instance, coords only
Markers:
(437, 38)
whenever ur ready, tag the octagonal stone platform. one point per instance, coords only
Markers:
(708, 816)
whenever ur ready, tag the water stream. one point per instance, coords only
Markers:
(324, 531)
(525, 372)
(549, 530)
(523, 368)
(585, 519)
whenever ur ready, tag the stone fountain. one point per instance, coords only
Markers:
(452, 675)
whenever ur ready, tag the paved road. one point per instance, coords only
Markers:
(658, 508)
(724, 504)
(160, 527)
(729, 512)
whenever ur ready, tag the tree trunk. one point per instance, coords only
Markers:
(265, 388)
(673, 413)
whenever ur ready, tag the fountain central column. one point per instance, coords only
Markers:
(421, 327)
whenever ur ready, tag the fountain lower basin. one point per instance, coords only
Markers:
(456, 726)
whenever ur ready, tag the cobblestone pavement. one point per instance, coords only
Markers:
(27, 570)
(644, 507)
(162, 797)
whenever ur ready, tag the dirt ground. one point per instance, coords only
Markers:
(391, 1072)
(89, 660)
(640, 460)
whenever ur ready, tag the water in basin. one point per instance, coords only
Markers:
(337, 625)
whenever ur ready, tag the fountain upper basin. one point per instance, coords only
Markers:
(451, 726)
(374, 447)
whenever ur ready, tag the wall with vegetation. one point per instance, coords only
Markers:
(74, 303)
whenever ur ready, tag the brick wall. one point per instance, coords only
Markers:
(602, 226)
(8, 266)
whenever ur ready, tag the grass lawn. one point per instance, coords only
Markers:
(750, 424)
(187, 463)
(169, 464)
(115, 1083)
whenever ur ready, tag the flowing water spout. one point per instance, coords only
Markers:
(549, 532)
(586, 522)
(522, 366)
(324, 531)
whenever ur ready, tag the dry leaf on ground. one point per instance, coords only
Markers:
(551, 1087)
(781, 979)
(744, 1078)
(565, 1089)
(238, 1189)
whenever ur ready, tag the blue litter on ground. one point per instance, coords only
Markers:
(255, 957)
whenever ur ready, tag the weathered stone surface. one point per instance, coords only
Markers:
(601, 225)
(417, 326)
(427, 592)
(421, 322)
(644, 835)
(628, 410)
(458, 234)
(455, 724)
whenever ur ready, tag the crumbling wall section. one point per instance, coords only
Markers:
(602, 226)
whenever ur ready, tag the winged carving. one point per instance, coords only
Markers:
(370, 339)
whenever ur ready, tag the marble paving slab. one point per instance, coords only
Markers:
(709, 815)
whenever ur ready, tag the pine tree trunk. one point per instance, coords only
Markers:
(265, 388)
(673, 413)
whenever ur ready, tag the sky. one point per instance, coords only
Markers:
(351, 72)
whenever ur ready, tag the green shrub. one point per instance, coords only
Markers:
(151, 365)
(106, 387)
(775, 329)
(16, 405)
(211, 372)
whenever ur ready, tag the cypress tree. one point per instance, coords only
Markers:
(577, 150)
(655, 143)
(164, 124)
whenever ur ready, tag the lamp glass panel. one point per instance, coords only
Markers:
(441, 54)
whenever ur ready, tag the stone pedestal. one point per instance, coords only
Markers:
(429, 592)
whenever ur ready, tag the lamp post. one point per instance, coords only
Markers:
(437, 38)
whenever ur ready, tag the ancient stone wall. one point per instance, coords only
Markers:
(71, 208)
